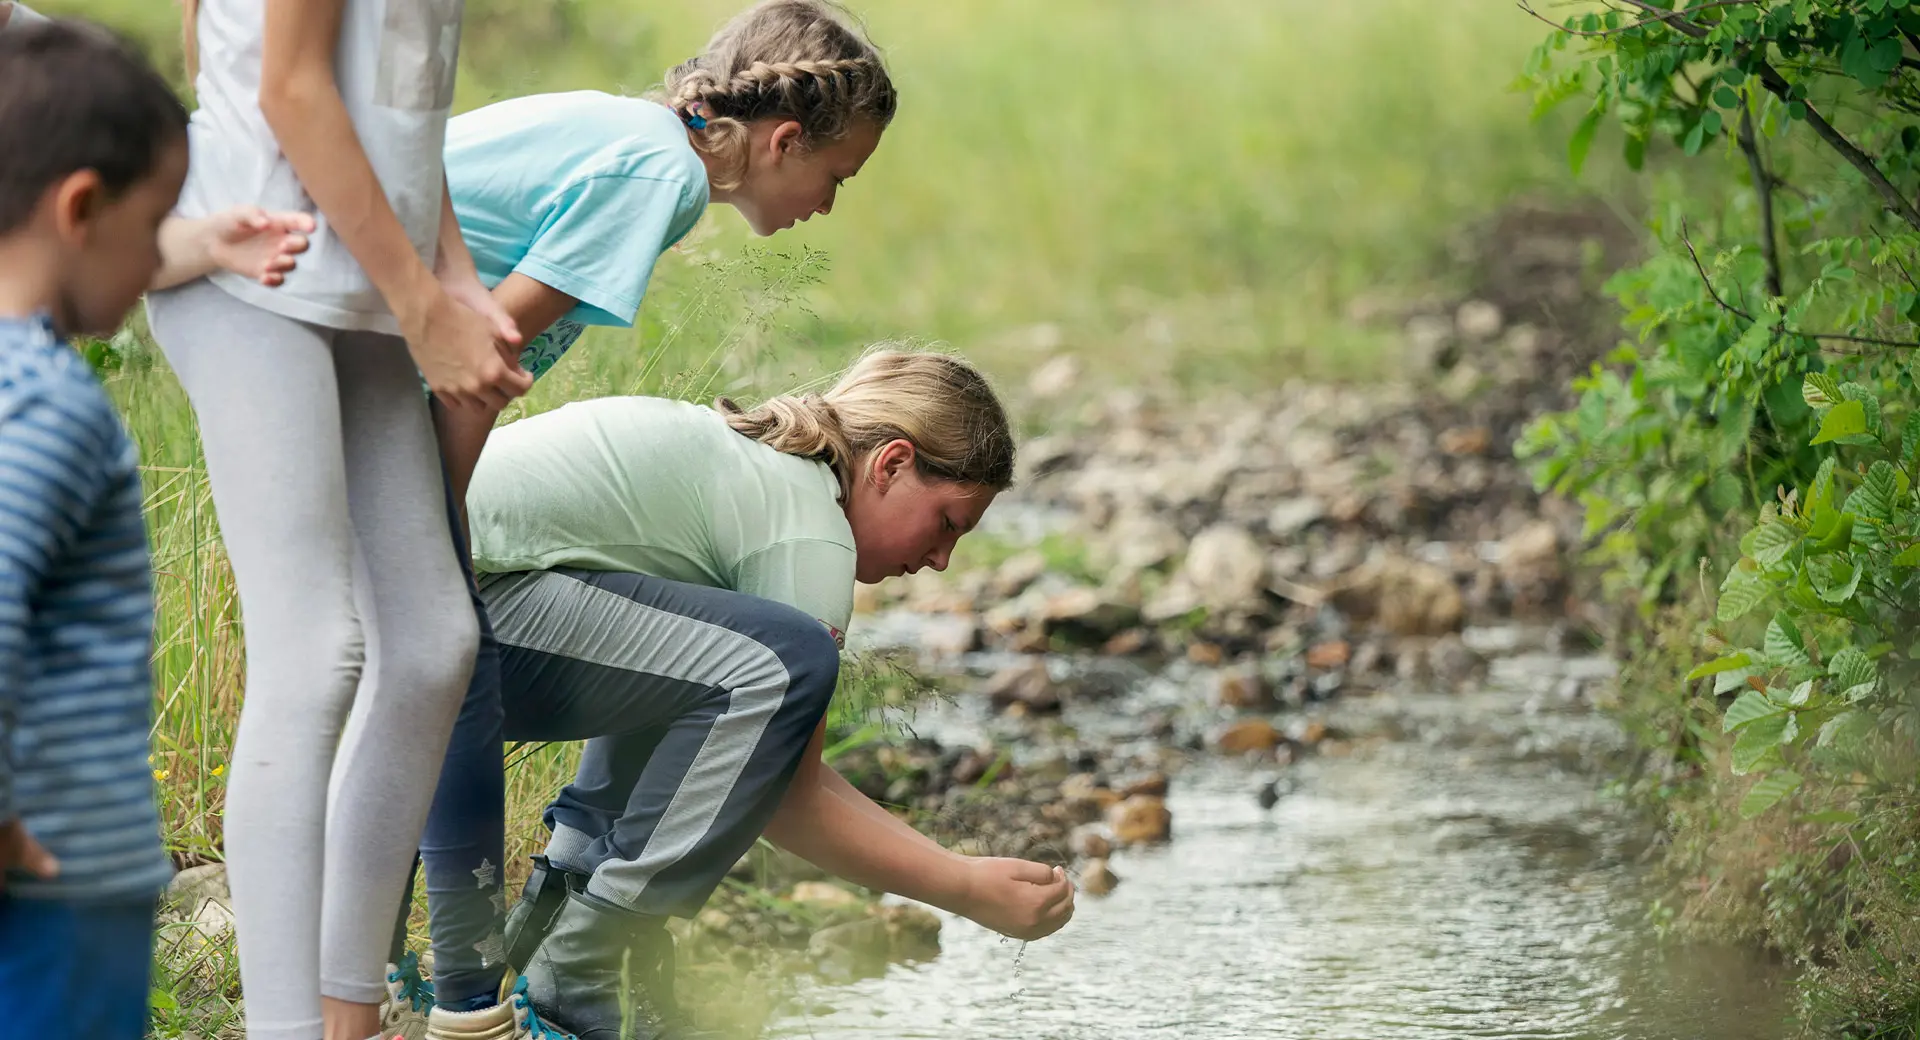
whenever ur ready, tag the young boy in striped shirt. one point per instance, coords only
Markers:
(93, 150)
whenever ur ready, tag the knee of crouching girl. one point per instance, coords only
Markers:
(785, 105)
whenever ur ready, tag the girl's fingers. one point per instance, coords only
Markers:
(1032, 873)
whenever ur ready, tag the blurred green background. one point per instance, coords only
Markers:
(1191, 190)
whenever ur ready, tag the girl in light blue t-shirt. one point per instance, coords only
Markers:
(566, 202)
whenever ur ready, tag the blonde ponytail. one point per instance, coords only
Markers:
(938, 403)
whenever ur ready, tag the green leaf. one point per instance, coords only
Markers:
(1843, 420)
(1873, 499)
(1725, 97)
(1740, 593)
(1800, 695)
(1910, 440)
(1759, 743)
(1696, 138)
(1582, 140)
(1908, 557)
(1772, 541)
(1724, 664)
(1851, 667)
(1837, 539)
(1750, 707)
(1712, 123)
(1819, 389)
(1635, 151)
(1830, 816)
(1768, 791)
(1783, 643)
(1834, 578)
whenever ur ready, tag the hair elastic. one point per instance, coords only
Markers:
(695, 115)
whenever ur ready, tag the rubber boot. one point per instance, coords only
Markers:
(606, 973)
(540, 901)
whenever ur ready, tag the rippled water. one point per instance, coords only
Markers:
(1453, 880)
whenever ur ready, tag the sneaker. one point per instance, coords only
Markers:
(512, 1019)
(409, 1000)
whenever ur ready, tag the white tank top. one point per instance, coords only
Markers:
(395, 67)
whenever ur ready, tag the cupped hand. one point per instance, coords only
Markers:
(1018, 898)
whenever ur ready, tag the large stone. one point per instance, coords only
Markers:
(854, 950)
(1136, 541)
(1090, 841)
(1020, 570)
(948, 635)
(1247, 735)
(1245, 689)
(1225, 567)
(1404, 596)
(1478, 320)
(1087, 612)
(1027, 684)
(1140, 820)
(1097, 879)
(913, 932)
(1530, 563)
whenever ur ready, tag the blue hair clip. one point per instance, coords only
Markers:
(695, 120)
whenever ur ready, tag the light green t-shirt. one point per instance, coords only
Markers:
(653, 486)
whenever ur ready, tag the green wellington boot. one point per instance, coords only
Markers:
(606, 973)
(540, 901)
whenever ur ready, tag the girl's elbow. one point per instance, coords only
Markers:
(288, 97)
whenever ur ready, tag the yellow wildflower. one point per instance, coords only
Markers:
(160, 774)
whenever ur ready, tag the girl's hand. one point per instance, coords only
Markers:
(18, 851)
(1017, 898)
(463, 352)
(256, 244)
(466, 288)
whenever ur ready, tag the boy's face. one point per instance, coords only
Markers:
(112, 243)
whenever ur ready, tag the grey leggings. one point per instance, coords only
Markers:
(360, 636)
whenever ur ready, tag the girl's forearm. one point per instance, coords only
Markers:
(185, 251)
(818, 825)
(851, 795)
(301, 102)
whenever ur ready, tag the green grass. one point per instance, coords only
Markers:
(1191, 191)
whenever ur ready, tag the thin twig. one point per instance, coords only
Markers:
(1781, 328)
(1901, 205)
(1763, 194)
(1641, 24)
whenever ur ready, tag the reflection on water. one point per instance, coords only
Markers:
(1457, 881)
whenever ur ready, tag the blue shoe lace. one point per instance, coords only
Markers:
(415, 990)
(537, 1029)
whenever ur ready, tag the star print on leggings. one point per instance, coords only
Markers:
(486, 874)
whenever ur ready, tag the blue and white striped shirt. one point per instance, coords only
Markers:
(76, 626)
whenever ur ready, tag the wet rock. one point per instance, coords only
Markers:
(1451, 660)
(1247, 735)
(1086, 785)
(1090, 841)
(1154, 783)
(1097, 879)
(971, 766)
(1307, 732)
(1027, 685)
(913, 932)
(1087, 613)
(1244, 689)
(1140, 820)
(854, 950)
(1291, 516)
(1225, 567)
(1334, 653)
(1404, 596)
(1205, 654)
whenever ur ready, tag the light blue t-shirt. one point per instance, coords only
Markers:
(579, 191)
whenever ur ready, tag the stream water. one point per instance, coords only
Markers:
(1453, 874)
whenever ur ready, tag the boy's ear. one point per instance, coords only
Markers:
(76, 200)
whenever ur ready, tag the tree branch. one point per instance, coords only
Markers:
(1859, 160)
(1666, 17)
(1763, 195)
(1781, 328)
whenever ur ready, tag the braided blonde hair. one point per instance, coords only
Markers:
(937, 402)
(802, 60)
